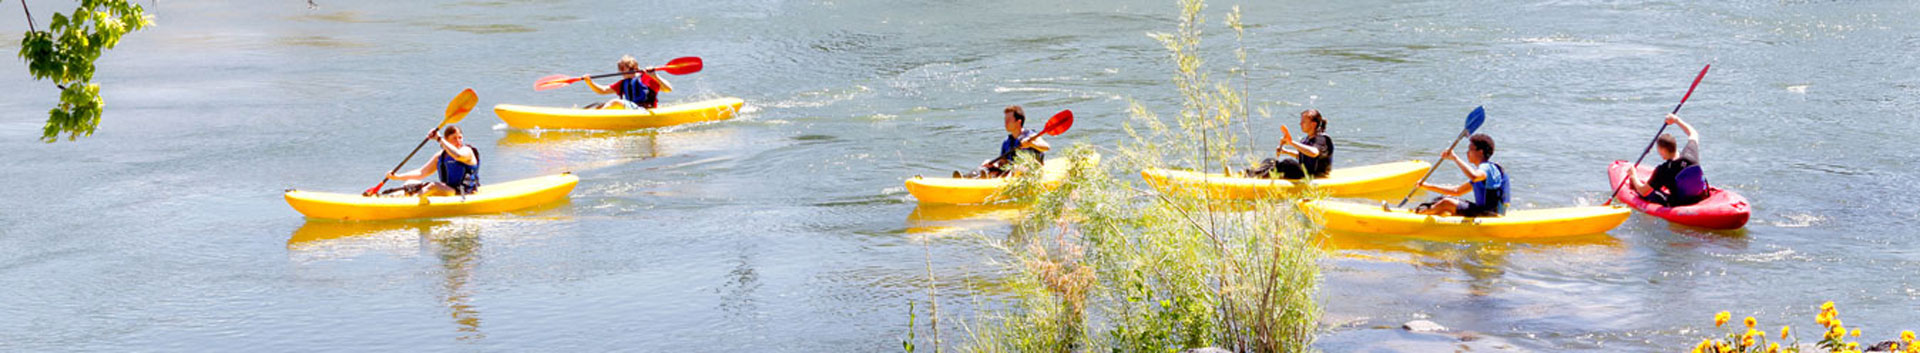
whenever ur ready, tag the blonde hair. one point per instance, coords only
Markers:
(627, 63)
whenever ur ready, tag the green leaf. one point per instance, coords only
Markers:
(68, 61)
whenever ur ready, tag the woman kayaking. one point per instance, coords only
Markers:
(1487, 181)
(1312, 156)
(457, 164)
(639, 90)
(1664, 186)
(1019, 139)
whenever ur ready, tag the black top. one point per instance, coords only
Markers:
(1318, 166)
(1663, 175)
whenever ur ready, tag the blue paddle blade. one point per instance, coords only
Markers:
(1474, 119)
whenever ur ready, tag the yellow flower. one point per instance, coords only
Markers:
(1853, 346)
(1721, 318)
(1702, 347)
(1856, 332)
(1826, 306)
(1784, 330)
(1750, 322)
(1906, 336)
(1836, 332)
(1746, 340)
(1773, 348)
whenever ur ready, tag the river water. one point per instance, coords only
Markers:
(787, 228)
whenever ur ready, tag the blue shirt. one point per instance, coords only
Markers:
(1491, 191)
(1012, 142)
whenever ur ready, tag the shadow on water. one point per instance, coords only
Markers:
(455, 245)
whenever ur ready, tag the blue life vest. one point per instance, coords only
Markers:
(1493, 189)
(638, 93)
(1012, 142)
(463, 178)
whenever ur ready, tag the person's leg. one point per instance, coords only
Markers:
(1263, 169)
(1658, 197)
(1446, 206)
(1291, 169)
(438, 189)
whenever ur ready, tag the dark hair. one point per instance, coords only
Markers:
(1665, 142)
(1319, 122)
(1483, 143)
(1018, 114)
(449, 130)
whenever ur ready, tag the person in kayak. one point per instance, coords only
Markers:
(639, 90)
(1312, 155)
(1017, 143)
(1663, 187)
(457, 163)
(1487, 180)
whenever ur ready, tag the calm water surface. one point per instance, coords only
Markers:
(787, 229)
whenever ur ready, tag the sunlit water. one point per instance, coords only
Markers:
(787, 229)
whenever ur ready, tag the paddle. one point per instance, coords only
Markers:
(456, 109)
(679, 66)
(1656, 136)
(1056, 125)
(1474, 119)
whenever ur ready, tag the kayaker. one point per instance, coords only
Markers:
(1312, 155)
(1487, 180)
(1017, 142)
(457, 164)
(1662, 188)
(642, 95)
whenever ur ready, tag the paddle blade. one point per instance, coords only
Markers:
(1059, 123)
(460, 106)
(554, 81)
(682, 66)
(1474, 119)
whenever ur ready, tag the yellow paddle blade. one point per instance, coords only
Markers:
(460, 106)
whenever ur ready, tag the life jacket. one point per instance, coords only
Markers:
(463, 178)
(1012, 142)
(1493, 189)
(638, 93)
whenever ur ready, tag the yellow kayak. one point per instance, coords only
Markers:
(490, 198)
(1521, 224)
(1341, 182)
(971, 191)
(530, 117)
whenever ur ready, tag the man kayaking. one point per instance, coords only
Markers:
(1312, 155)
(1663, 187)
(1019, 140)
(1487, 180)
(457, 163)
(639, 90)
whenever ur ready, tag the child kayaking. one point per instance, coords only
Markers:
(1664, 186)
(1020, 140)
(1487, 180)
(639, 90)
(457, 164)
(1312, 155)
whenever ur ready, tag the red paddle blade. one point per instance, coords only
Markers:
(1059, 123)
(554, 81)
(682, 66)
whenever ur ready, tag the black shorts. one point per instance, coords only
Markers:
(1469, 209)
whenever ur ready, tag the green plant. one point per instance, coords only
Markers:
(1099, 264)
(65, 53)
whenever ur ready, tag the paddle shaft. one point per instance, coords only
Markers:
(1016, 149)
(403, 162)
(1430, 170)
(1656, 136)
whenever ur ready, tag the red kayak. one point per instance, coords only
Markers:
(1723, 209)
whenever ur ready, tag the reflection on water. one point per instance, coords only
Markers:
(1483, 262)
(455, 245)
(936, 220)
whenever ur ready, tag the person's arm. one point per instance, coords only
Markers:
(419, 173)
(464, 154)
(1639, 187)
(1304, 149)
(597, 88)
(1472, 174)
(1456, 190)
(1684, 127)
(1039, 143)
(663, 86)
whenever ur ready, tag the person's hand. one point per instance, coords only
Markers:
(1448, 155)
(390, 176)
(1672, 119)
(433, 134)
(586, 78)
